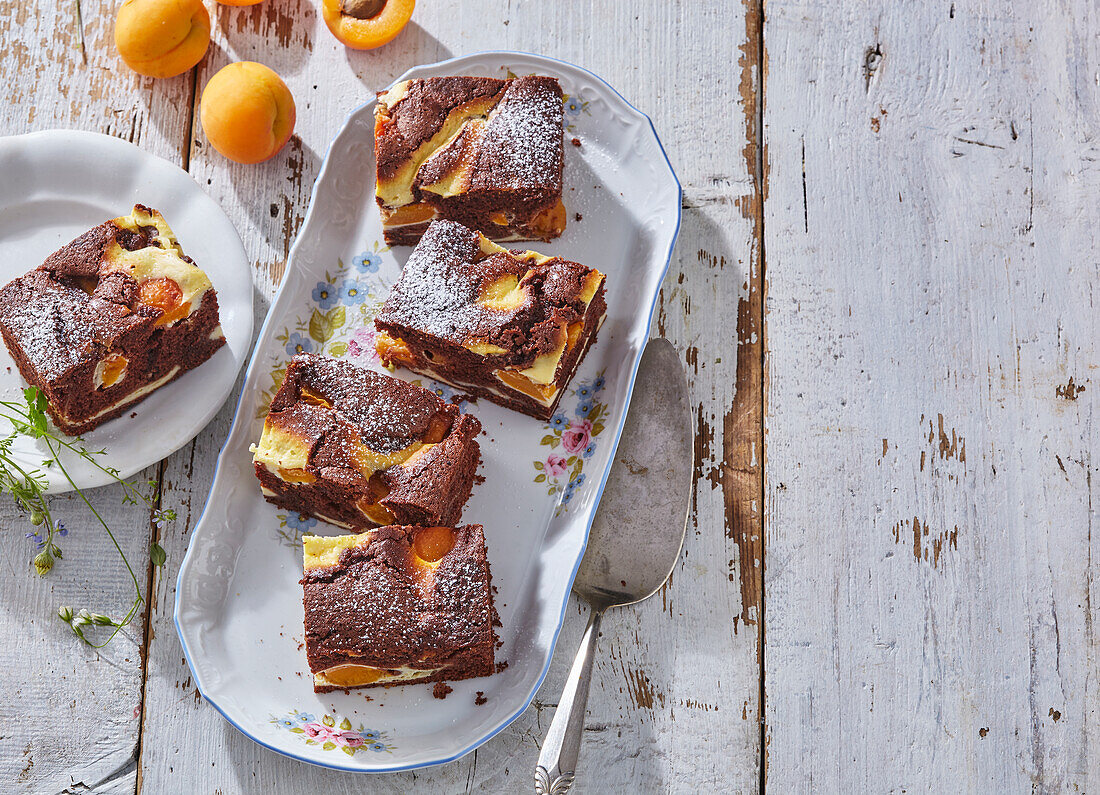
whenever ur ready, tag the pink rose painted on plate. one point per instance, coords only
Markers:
(575, 431)
(332, 733)
(575, 438)
(555, 465)
(361, 348)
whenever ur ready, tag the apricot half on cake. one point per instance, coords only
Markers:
(366, 24)
(247, 112)
(162, 38)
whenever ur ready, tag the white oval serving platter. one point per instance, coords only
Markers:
(238, 602)
(55, 186)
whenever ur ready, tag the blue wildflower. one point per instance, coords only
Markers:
(573, 106)
(584, 407)
(325, 295)
(300, 522)
(298, 343)
(370, 735)
(588, 451)
(597, 385)
(367, 262)
(351, 293)
(584, 390)
(377, 746)
(559, 422)
(303, 717)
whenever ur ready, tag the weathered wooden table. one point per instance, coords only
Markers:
(887, 293)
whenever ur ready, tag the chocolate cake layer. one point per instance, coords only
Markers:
(398, 605)
(359, 449)
(485, 152)
(109, 318)
(510, 326)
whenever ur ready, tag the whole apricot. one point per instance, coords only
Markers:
(366, 24)
(162, 38)
(247, 112)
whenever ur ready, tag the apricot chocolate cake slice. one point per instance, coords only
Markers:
(510, 326)
(109, 318)
(398, 605)
(478, 150)
(358, 449)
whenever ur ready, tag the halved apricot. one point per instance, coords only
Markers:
(366, 24)
(351, 675)
(431, 543)
(165, 295)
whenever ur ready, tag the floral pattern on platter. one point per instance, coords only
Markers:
(292, 526)
(330, 734)
(339, 321)
(562, 472)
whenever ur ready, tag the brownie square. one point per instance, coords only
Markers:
(509, 326)
(482, 151)
(358, 449)
(398, 605)
(109, 318)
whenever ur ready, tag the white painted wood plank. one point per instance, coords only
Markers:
(932, 402)
(71, 714)
(675, 702)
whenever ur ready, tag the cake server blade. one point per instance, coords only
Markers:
(635, 540)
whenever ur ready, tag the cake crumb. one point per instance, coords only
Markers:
(480, 698)
(502, 665)
(576, 142)
(578, 217)
(441, 689)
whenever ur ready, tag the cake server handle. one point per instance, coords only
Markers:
(558, 757)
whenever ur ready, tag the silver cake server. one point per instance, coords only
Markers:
(635, 540)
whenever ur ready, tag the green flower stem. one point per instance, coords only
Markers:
(28, 490)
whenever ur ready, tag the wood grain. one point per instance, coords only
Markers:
(931, 318)
(72, 714)
(675, 700)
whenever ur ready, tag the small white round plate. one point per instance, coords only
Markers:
(238, 601)
(57, 185)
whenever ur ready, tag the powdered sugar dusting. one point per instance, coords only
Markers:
(51, 344)
(436, 294)
(524, 136)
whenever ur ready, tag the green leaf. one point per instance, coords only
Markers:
(298, 730)
(337, 316)
(311, 742)
(328, 720)
(328, 746)
(319, 327)
(548, 439)
(571, 460)
(345, 724)
(597, 428)
(338, 349)
(540, 478)
(539, 465)
(554, 442)
(348, 750)
(157, 554)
